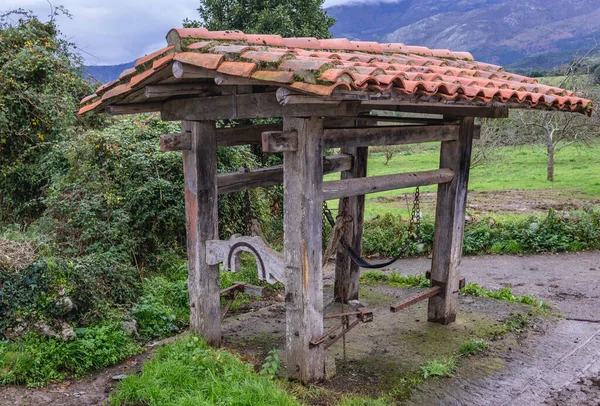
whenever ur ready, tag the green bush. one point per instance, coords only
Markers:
(35, 361)
(565, 231)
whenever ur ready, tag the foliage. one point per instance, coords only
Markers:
(188, 372)
(35, 361)
(557, 231)
(361, 401)
(396, 279)
(473, 289)
(42, 84)
(472, 347)
(439, 368)
(272, 364)
(94, 283)
(288, 18)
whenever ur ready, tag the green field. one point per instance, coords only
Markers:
(577, 168)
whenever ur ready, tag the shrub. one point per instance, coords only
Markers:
(35, 361)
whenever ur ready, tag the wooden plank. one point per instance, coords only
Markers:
(449, 225)
(179, 89)
(347, 273)
(454, 110)
(388, 135)
(242, 135)
(279, 141)
(176, 142)
(337, 189)
(200, 178)
(133, 108)
(436, 290)
(303, 177)
(264, 177)
(244, 106)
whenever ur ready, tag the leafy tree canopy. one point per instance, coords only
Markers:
(42, 84)
(288, 18)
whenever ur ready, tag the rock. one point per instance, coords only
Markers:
(62, 330)
(78, 394)
(119, 377)
(17, 332)
(130, 327)
(65, 304)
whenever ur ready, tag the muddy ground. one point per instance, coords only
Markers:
(504, 202)
(555, 361)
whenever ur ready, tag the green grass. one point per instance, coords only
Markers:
(188, 372)
(473, 289)
(395, 279)
(439, 368)
(472, 347)
(522, 168)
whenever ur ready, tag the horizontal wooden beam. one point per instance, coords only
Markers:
(133, 108)
(388, 135)
(245, 106)
(179, 89)
(226, 137)
(184, 71)
(249, 179)
(361, 186)
(279, 141)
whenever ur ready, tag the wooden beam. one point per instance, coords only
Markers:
(249, 179)
(279, 141)
(179, 89)
(200, 179)
(337, 189)
(347, 273)
(244, 106)
(388, 135)
(226, 137)
(133, 108)
(184, 71)
(176, 142)
(449, 225)
(302, 191)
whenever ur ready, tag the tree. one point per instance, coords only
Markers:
(556, 130)
(495, 133)
(288, 18)
(42, 83)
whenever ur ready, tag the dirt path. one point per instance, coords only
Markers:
(563, 365)
(554, 363)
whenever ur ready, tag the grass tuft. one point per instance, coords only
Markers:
(439, 368)
(472, 347)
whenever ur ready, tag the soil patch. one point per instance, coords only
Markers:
(506, 201)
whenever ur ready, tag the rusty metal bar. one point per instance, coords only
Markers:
(434, 291)
(337, 315)
(343, 333)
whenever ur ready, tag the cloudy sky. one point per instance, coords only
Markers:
(110, 32)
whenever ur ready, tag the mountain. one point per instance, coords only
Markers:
(538, 33)
(106, 73)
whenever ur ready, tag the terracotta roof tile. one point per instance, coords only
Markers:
(319, 67)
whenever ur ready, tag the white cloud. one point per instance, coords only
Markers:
(118, 31)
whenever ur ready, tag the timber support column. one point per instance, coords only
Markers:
(347, 273)
(200, 172)
(449, 224)
(303, 199)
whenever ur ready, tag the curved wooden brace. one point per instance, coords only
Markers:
(270, 263)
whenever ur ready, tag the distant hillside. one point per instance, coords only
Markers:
(496, 31)
(107, 73)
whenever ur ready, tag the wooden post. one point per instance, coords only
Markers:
(449, 225)
(302, 191)
(347, 273)
(200, 172)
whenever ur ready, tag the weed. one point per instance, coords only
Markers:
(362, 401)
(473, 289)
(472, 347)
(395, 279)
(438, 367)
(271, 365)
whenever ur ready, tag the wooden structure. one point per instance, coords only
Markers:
(330, 93)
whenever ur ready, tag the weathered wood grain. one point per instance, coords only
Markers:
(388, 135)
(279, 141)
(303, 176)
(337, 189)
(200, 177)
(133, 108)
(449, 225)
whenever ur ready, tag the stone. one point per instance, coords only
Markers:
(119, 377)
(65, 304)
(130, 327)
(62, 330)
